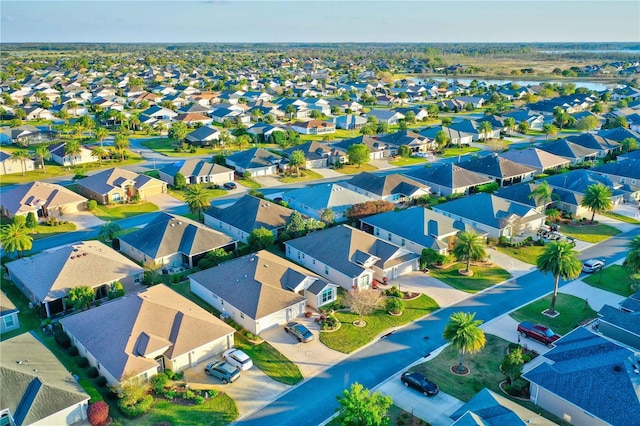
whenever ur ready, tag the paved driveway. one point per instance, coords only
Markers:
(312, 357)
(83, 220)
(506, 328)
(419, 282)
(165, 201)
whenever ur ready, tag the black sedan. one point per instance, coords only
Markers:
(419, 382)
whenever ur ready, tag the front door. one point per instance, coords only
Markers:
(160, 361)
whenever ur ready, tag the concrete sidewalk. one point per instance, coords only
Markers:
(596, 297)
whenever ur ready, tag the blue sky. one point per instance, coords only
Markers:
(319, 21)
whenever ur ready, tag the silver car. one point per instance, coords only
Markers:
(592, 265)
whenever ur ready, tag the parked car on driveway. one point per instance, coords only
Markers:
(230, 185)
(222, 370)
(237, 358)
(592, 265)
(419, 382)
(537, 332)
(299, 331)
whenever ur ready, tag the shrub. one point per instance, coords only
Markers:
(393, 292)
(82, 362)
(19, 220)
(92, 372)
(92, 205)
(63, 340)
(98, 413)
(394, 305)
(158, 382)
(170, 394)
(198, 400)
(73, 350)
(31, 221)
(204, 263)
(189, 394)
(101, 381)
(137, 409)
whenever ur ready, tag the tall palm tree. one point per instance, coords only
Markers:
(99, 152)
(509, 124)
(560, 259)
(109, 231)
(197, 199)
(121, 143)
(464, 333)
(72, 148)
(632, 261)
(21, 155)
(469, 247)
(597, 198)
(15, 237)
(101, 133)
(542, 193)
(485, 128)
(42, 153)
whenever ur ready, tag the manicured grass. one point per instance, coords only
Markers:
(211, 193)
(166, 146)
(349, 337)
(27, 317)
(454, 152)
(483, 277)
(573, 311)
(45, 231)
(349, 169)
(527, 254)
(305, 175)
(615, 279)
(153, 174)
(590, 233)
(123, 211)
(408, 161)
(396, 415)
(218, 411)
(337, 135)
(249, 183)
(621, 217)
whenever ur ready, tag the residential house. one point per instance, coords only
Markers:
(449, 178)
(626, 173)
(219, 115)
(261, 290)
(351, 258)
(9, 319)
(395, 188)
(46, 278)
(119, 185)
(603, 145)
(173, 241)
(255, 161)
(197, 171)
(37, 113)
(197, 108)
(500, 169)
(9, 165)
(377, 149)
(247, 214)
(350, 122)
(622, 323)
(536, 158)
(386, 116)
(415, 228)
(37, 388)
(535, 120)
(318, 154)
(473, 128)
(193, 119)
(569, 104)
(204, 136)
(313, 127)
(264, 130)
(415, 141)
(573, 152)
(313, 200)
(60, 155)
(491, 409)
(26, 135)
(420, 113)
(584, 360)
(494, 215)
(149, 331)
(456, 137)
(159, 113)
(619, 134)
(43, 199)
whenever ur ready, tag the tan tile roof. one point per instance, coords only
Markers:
(21, 199)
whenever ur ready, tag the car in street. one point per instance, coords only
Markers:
(230, 185)
(592, 265)
(237, 358)
(420, 382)
(299, 331)
(222, 370)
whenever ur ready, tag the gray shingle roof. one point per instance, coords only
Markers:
(496, 166)
(487, 408)
(107, 180)
(195, 167)
(628, 169)
(325, 195)
(249, 213)
(387, 185)
(254, 158)
(448, 175)
(584, 361)
(568, 149)
(536, 158)
(629, 321)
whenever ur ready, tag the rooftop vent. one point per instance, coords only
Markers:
(252, 259)
(617, 368)
(173, 224)
(179, 222)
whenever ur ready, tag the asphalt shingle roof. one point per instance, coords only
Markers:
(496, 166)
(386, 185)
(254, 158)
(107, 180)
(249, 213)
(449, 176)
(326, 195)
(28, 197)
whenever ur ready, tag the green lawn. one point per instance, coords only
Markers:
(621, 217)
(305, 175)
(45, 231)
(483, 277)
(166, 147)
(527, 254)
(337, 135)
(349, 337)
(218, 411)
(211, 193)
(249, 183)
(153, 174)
(349, 169)
(396, 415)
(573, 311)
(408, 161)
(454, 152)
(590, 233)
(614, 278)
(123, 211)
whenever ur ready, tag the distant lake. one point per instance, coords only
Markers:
(632, 51)
(586, 84)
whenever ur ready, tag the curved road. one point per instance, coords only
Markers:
(314, 400)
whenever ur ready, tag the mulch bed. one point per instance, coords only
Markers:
(454, 370)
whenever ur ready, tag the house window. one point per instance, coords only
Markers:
(403, 243)
(326, 296)
(377, 232)
(622, 180)
(8, 321)
(241, 315)
(389, 236)
(326, 270)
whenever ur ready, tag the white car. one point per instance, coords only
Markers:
(592, 265)
(237, 358)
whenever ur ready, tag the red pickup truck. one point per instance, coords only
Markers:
(537, 332)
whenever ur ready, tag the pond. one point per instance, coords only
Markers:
(591, 85)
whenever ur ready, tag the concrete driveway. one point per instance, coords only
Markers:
(83, 220)
(251, 391)
(165, 201)
(419, 282)
(506, 328)
(313, 357)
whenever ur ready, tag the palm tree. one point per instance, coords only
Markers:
(542, 193)
(72, 105)
(485, 129)
(43, 153)
(509, 124)
(21, 155)
(464, 333)
(121, 143)
(549, 130)
(101, 133)
(72, 148)
(197, 199)
(469, 247)
(109, 231)
(597, 198)
(632, 261)
(99, 152)
(15, 237)
(559, 259)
